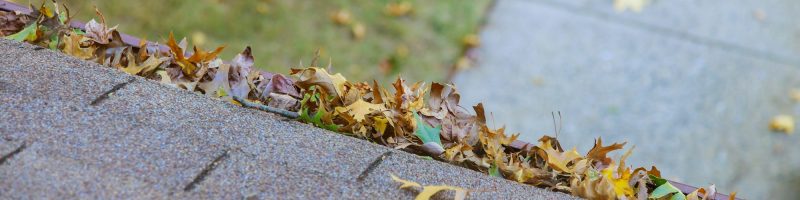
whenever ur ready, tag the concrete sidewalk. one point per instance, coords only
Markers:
(693, 84)
(151, 141)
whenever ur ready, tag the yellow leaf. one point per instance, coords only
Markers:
(72, 46)
(341, 17)
(471, 40)
(782, 123)
(635, 5)
(559, 160)
(620, 184)
(148, 65)
(359, 31)
(429, 191)
(398, 9)
(406, 183)
(361, 108)
(380, 124)
(165, 79)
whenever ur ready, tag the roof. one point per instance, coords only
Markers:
(62, 136)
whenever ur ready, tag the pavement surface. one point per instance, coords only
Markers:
(691, 83)
(152, 141)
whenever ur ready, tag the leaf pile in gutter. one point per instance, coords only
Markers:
(400, 118)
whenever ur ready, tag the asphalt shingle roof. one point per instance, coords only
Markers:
(153, 141)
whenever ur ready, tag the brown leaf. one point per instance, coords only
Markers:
(241, 65)
(283, 101)
(598, 152)
(332, 85)
(279, 84)
(99, 32)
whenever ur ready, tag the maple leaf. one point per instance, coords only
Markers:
(72, 46)
(429, 136)
(430, 190)
(556, 159)
(189, 65)
(360, 109)
(598, 152)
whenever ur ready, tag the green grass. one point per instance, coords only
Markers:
(291, 30)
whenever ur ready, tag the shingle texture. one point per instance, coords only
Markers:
(153, 141)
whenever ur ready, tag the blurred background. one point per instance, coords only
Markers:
(364, 39)
(693, 84)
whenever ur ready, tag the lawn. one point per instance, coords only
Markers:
(420, 46)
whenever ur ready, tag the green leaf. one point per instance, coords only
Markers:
(494, 171)
(221, 92)
(667, 189)
(657, 180)
(78, 31)
(26, 34)
(54, 42)
(427, 133)
(316, 120)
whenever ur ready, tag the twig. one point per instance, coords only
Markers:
(282, 112)
(373, 165)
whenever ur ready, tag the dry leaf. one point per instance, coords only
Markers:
(360, 109)
(332, 85)
(430, 190)
(598, 152)
(397, 9)
(72, 46)
(635, 5)
(341, 17)
(559, 160)
(358, 30)
(782, 123)
(471, 41)
(99, 32)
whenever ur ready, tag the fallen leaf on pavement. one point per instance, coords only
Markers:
(782, 123)
(429, 190)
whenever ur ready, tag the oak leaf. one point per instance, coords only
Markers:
(332, 85)
(598, 152)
